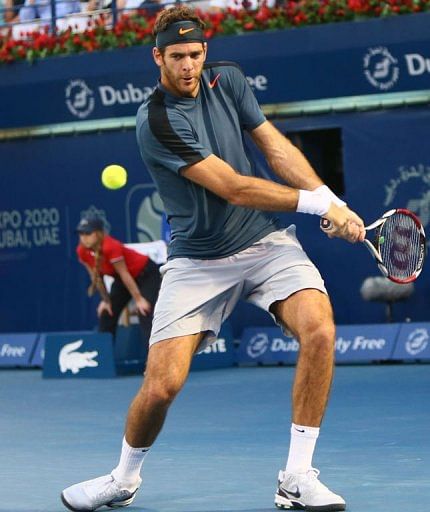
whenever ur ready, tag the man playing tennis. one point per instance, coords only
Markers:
(225, 245)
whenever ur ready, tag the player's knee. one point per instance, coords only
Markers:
(319, 338)
(162, 394)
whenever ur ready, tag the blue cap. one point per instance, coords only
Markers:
(89, 224)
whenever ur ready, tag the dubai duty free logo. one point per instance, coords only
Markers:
(417, 341)
(380, 68)
(257, 345)
(79, 98)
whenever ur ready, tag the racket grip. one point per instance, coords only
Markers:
(325, 224)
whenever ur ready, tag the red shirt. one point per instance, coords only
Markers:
(112, 251)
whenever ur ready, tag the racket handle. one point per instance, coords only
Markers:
(325, 224)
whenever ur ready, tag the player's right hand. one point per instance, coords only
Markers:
(345, 224)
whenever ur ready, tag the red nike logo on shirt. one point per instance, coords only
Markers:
(214, 81)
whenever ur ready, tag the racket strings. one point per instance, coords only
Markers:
(400, 246)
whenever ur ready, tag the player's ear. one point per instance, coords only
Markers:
(205, 49)
(158, 56)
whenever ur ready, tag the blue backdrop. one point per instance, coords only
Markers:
(46, 184)
(333, 60)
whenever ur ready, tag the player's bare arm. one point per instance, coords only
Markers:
(220, 178)
(285, 159)
(289, 163)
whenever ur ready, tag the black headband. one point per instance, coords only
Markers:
(179, 32)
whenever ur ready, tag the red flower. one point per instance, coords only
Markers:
(263, 14)
(137, 28)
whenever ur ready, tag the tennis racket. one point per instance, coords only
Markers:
(398, 246)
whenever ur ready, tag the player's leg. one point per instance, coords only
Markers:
(193, 298)
(167, 369)
(308, 315)
(287, 284)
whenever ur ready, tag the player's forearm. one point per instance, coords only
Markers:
(269, 196)
(285, 159)
(292, 167)
(264, 195)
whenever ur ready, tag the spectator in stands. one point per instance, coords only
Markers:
(11, 10)
(95, 5)
(135, 275)
(2, 13)
(34, 9)
(249, 5)
(150, 6)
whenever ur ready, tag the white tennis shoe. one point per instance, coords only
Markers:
(92, 494)
(306, 492)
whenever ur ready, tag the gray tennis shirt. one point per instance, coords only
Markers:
(175, 132)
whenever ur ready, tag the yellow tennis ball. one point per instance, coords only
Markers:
(114, 176)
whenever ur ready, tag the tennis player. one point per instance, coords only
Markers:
(226, 244)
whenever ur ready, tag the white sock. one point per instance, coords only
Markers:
(302, 446)
(130, 464)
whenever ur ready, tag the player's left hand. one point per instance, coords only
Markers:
(345, 224)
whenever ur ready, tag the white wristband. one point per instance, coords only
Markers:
(314, 202)
(333, 197)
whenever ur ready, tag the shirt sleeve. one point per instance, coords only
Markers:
(167, 139)
(250, 113)
(113, 250)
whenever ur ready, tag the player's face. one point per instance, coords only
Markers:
(181, 67)
(89, 240)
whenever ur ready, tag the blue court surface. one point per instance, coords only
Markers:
(224, 441)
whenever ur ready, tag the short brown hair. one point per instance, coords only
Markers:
(181, 13)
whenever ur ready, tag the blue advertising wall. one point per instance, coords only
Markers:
(46, 184)
(363, 343)
(50, 182)
(93, 355)
(333, 60)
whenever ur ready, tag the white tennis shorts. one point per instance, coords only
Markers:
(198, 295)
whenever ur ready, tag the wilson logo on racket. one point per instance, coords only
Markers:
(399, 245)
